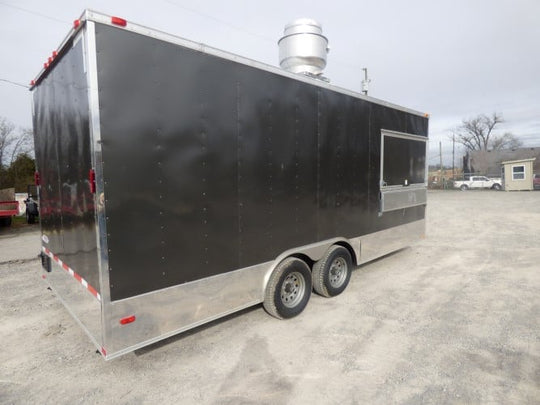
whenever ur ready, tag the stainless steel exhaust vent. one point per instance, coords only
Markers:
(303, 48)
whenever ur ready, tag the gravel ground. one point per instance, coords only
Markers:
(453, 319)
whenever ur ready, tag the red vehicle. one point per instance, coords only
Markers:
(536, 181)
(7, 210)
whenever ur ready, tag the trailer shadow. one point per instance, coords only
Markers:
(378, 259)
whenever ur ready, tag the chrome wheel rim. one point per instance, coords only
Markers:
(338, 272)
(293, 289)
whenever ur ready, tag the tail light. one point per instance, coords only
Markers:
(127, 319)
(92, 180)
(37, 179)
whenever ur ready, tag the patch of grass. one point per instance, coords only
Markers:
(20, 222)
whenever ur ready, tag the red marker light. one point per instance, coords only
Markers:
(76, 24)
(50, 59)
(118, 21)
(45, 65)
(54, 54)
(32, 82)
(127, 319)
(92, 180)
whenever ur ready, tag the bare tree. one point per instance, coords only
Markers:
(23, 144)
(506, 141)
(477, 134)
(7, 137)
(13, 143)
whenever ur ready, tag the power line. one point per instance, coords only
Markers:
(15, 83)
(192, 10)
(34, 13)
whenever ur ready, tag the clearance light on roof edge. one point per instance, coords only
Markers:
(50, 59)
(118, 21)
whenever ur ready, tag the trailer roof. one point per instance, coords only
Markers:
(90, 15)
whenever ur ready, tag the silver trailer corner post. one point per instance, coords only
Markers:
(181, 183)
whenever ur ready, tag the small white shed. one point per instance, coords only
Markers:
(518, 174)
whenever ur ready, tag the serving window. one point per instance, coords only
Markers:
(403, 159)
(403, 181)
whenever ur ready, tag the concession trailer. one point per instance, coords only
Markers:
(179, 183)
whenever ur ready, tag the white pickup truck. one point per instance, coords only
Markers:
(479, 182)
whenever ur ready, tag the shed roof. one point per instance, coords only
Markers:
(518, 161)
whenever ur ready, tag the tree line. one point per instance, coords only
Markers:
(17, 165)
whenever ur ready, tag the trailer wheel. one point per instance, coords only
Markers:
(289, 289)
(332, 273)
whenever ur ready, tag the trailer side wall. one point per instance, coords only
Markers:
(63, 158)
(211, 165)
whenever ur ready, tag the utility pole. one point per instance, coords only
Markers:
(453, 156)
(365, 82)
(440, 156)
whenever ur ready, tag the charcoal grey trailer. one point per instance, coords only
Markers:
(180, 183)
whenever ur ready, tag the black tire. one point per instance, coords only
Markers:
(332, 273)
(464, 187)
(289, 289)
(496, 187)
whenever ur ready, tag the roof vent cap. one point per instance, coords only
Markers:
(303, 48)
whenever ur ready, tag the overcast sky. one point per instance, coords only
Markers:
(453, 59)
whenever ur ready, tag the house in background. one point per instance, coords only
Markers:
(518, 174)
(489, 162)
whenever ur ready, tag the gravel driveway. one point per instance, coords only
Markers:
(453, 319)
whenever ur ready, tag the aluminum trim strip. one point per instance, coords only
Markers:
(176, 332)
(165, 312)
(405, 197)
(381, 243)
(403, 135)
(99, 198)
